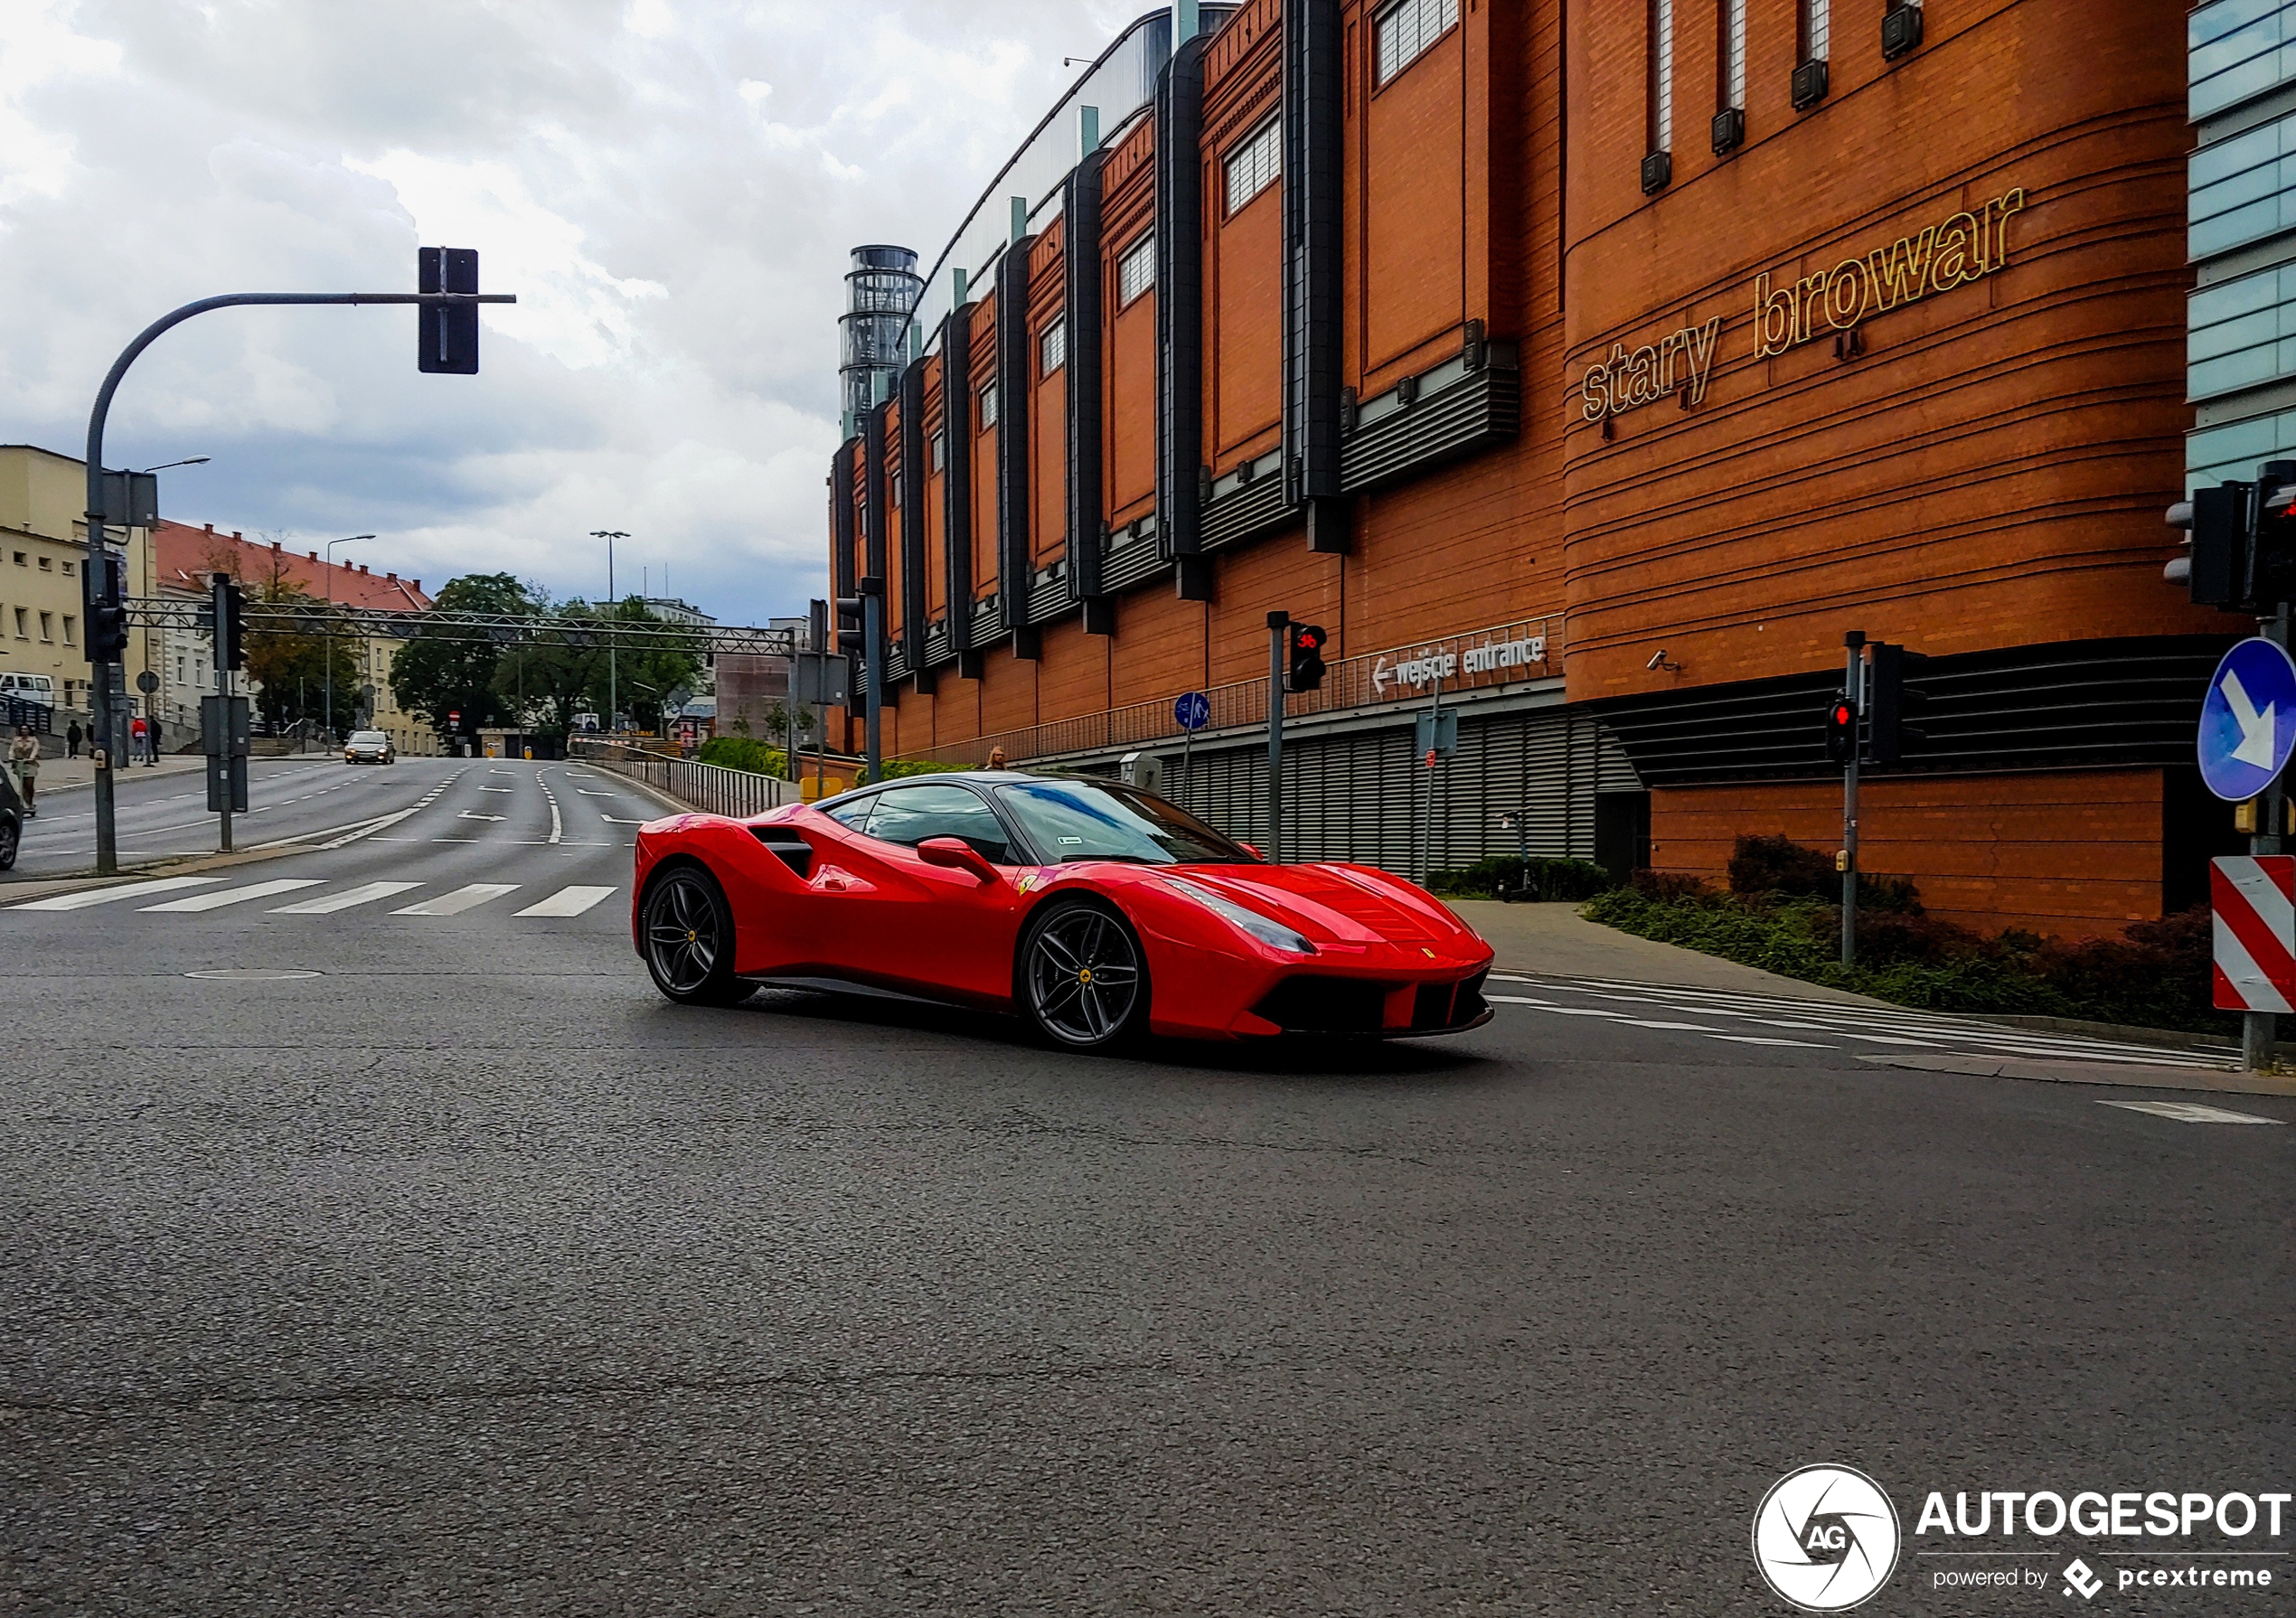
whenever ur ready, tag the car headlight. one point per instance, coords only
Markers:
(1273, 933)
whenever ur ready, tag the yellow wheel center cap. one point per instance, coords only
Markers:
(1085, 976)
(692, 936)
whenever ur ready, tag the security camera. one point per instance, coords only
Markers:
(1658, 659)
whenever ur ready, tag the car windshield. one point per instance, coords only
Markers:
(1101, 820)
(368, 738)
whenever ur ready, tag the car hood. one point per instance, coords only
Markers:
(1335, 903)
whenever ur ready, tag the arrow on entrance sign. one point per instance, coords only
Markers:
(2256, 728)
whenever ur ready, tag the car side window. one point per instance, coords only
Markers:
(854, 816)
(907, 815)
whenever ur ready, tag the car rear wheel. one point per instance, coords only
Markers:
(1083, 981)
(8, 831)
(688, 928)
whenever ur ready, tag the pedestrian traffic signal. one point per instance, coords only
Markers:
(106, 616)
(447, 332)
(1307, 656)
(1894, 696)
(1841, 730)
(2273, 537)
(231, 645)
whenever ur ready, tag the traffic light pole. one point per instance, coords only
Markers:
(99, 675)
(1853, 682)
(1279, 625)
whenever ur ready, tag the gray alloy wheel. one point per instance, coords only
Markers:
(688, 928)
(7, 845)
(1082, 981)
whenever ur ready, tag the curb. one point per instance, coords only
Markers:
(2069, 1073)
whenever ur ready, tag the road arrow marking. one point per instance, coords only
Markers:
(2257, 730)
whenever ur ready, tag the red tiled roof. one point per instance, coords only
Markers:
(184, 556)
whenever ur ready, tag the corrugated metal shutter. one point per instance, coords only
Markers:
(1361, 798)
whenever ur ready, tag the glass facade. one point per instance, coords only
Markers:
(2241, 235)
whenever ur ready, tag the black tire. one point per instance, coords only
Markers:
(1081, 978)
(688, 928)
(9, 832)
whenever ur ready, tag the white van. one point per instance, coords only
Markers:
(29, 688)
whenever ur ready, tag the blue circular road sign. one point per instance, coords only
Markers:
(1192, 711)
(2248, 720)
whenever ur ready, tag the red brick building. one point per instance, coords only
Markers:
(1602, 364)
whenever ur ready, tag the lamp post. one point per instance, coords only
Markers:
(352, 539)
(613, 703)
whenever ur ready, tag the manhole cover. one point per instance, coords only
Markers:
(250, 975)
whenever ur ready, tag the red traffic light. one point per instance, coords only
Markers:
(1309, 637)
(1843, 713)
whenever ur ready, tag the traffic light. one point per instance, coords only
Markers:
(106, 617)
(848, 623)
(1307, 656)
(817, 626)
(2215, 568)
(2271, 548)
(1896, 697)
(447, 335)
(230, 644)
(1841, 730)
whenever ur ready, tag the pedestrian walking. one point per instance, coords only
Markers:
(23, 757)
(72, 740)
(151, 741)
(135, 735)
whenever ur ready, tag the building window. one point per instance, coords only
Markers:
(893, 487)
(988, 407)
(1055, 345)
(1252, 167)
(1136, 270)
(47, 626)
(20, 561)
(67, 569)
(1816, 22)
(940, 450)
(70, 624)
(20, 623)
(1660, 102)
(1729, 34)
(1405, 31)
(47, 565)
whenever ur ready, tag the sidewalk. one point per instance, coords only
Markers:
(60, 774)
(1556, 940)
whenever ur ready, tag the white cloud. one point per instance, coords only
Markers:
(671, 190)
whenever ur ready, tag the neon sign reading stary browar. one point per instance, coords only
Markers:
(1962, 247)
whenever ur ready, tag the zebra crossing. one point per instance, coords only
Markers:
(199, 896)
(1741, 1019)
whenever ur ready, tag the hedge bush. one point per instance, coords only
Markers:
(2156, 974)
(741, 752)
(1546, 878)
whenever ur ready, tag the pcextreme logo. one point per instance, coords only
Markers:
(1826, 1538)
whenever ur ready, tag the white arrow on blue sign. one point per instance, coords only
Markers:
(1192, 711)
(2248, 720)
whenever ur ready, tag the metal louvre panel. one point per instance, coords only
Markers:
(940, 645)
(1048, 598)
(1254, 509)
(896, 667)
(1135, 561)
(2084, 702)
(1483, 408)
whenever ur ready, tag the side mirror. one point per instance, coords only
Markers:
(953, 853)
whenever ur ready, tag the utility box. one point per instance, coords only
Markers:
(1437, 733)
(821, 679)
(1143, 770)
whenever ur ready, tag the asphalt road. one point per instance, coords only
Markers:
(467, 1275)
(161, 813)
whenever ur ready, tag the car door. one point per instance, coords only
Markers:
(927, 927)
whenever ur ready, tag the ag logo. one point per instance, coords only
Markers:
(1826, 1538)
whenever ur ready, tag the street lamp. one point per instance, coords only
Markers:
(329, 633)
(613, 704)
(197, 460)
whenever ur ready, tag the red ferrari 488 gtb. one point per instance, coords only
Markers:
(1096, 911)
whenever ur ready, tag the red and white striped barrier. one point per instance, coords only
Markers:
(2254, 901)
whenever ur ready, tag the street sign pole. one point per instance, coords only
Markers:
(2260, 1031)
(1191, 711)
(1279, 625)
(1853, 682)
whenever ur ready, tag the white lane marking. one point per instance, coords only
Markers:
(387, 822)
(613, 819)
(233, 896)
(1548, 1005)
(365, 894)
(567, 901)
(104, 895)
(2190, 1111)
(498, 789)
(586, 793)
(467, 814)
(1758, 1039)
(460, 899)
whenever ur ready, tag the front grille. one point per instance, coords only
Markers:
(1326, 1005)
(1448, 1006)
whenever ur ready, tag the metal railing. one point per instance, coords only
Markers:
(711, 788)
(1507, 653)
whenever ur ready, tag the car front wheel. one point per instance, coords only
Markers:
(1083, 980)
(688, 928)
(8, 834)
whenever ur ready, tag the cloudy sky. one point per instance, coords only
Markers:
(669, 185)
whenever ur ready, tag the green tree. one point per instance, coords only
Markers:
(546, 680)
(435, 678)
(641, 676)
